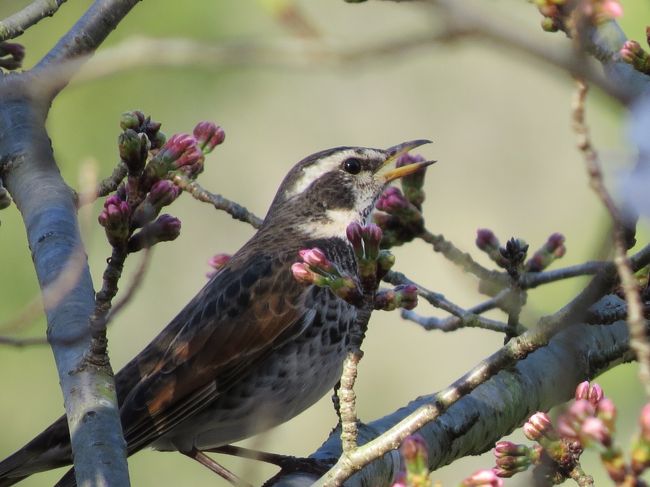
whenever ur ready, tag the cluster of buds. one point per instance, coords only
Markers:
(140, 123)
(400, 212)
(559, 14)
(316, 268)
(600, 11)
(414, 471)
(512, 256)
(512, 458)
(551, 11)
(216, 263)
(12, 55)
(131, 216)
(181, 153)
(401, 296)
(632, 53)
(117, 220)
(588, 422)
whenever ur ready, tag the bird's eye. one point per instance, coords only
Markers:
(352, 165)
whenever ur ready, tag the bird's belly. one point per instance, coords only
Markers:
(288, 381)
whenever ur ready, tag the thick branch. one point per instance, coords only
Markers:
(84, 37)
(18, 23)
(495, 408)
(48, 209)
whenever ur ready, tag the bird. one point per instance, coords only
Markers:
(254, 347)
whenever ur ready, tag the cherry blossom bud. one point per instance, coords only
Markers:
(302, 273)
(165, 228)
(483, 478)
(632, 53)
(316, 258)
(392, 201)
(385, 261)
(217, 262)
(371, 235)
(132, 120)
(402, 296)
(606, 411)
(180, 152)
(552, 249)
(162, 193)
(134, 148)
(590, 392)
(412, 184)
(595, 430)
(539, 426)
(353, 233)
(208, 136)
(641, 446)
(415, 456)
(115, 219)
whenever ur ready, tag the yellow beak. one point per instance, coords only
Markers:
(394, 153)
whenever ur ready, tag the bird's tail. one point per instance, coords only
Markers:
(50, 449)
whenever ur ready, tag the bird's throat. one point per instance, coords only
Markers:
(332, 224)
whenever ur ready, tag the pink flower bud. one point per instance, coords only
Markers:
(217, 262)
(582, 390)
(316, 258)
(606, 410)
(594, 429)
(301, 273)
(163, 193)
(483, 478)
(208, 136)
(392, 201)
(538, 426)
(485, 239)
(508, 448)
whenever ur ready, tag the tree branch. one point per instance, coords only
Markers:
(48, 209)
(84, 38)
(18, 23)
(480, 418)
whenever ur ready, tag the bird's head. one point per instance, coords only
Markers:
(327, 191)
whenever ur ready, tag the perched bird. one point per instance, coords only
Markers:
(254, 347)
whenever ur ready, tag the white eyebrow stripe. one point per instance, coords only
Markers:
(312, 172)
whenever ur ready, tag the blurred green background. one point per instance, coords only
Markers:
(500, 123)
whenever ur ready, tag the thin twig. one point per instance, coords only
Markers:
(635, 318)
(463, 259)
(235, 210)
(16, 24)
(347, 401)
(98, 346)
(463, 317)
(22, 342)
(530, 280)
(133, 285)
(453, 323)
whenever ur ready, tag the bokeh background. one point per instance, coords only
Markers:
(500, 122)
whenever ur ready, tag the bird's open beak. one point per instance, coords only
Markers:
(394, 153)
